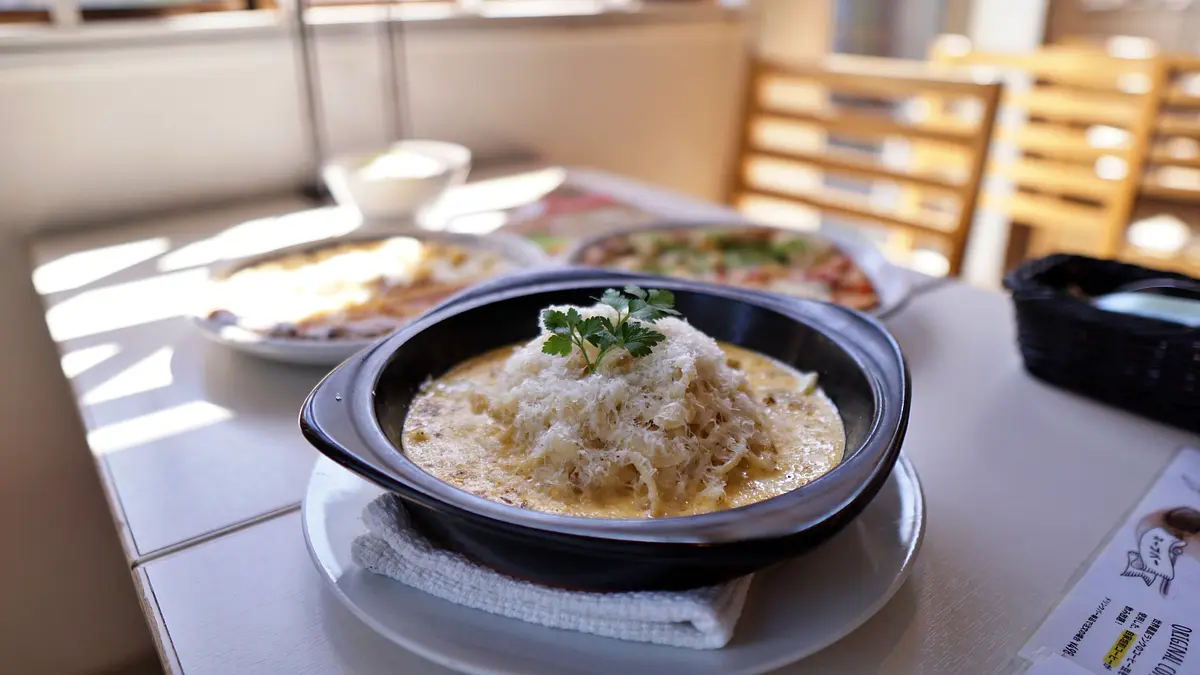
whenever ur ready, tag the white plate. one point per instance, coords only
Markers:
(892, 283)
(794, 609)
(523, 254)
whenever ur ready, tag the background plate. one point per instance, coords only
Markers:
(892, 283)
(523, 254)
(794, 609)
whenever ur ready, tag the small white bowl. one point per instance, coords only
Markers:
(398, 182)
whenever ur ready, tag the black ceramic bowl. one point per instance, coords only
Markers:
(356, 414)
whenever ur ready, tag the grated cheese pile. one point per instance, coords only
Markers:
(667, 428)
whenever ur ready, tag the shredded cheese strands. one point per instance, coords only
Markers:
(668, 428)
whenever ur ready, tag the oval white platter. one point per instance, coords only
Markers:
(523, 254)
(794, 609)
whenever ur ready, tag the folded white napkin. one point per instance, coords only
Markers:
(701, 618)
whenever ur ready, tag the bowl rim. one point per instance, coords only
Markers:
(892, 286)
(789, 513)
(453, 156)
(456, 155)
(516, 249)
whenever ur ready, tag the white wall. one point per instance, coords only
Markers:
(793, 30)
(95, 133)
(1007, 25)
(89, 134)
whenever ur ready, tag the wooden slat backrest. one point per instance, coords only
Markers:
(1169, 190)
(1078, 66)
(1082, 142)
(1170, 182)
(1173, 173)
(855, 98)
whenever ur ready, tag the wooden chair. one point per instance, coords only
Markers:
(1080, 144)
(813, 135)
(1170, 187)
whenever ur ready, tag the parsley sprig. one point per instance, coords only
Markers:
(569, 329)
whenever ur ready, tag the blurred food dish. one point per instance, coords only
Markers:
(357, 418)
(320, 303)
(797, 264)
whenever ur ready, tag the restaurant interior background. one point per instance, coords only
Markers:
(110, 109)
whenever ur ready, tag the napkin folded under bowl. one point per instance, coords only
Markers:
(701, 618)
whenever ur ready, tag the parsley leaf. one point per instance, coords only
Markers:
(605, 340)
(569, 329)
(639, 339)
(658, 304)
(590, 327)
(557, 344)
(663, 300)
(614, 299)
(556, 322)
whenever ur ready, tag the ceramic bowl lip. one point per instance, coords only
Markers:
(455, 155)
(516, 250)
(452, 156)
(783, 515)
(892, 285)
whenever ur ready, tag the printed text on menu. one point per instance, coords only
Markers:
(1135, 610)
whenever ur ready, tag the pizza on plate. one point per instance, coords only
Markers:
(759, 258)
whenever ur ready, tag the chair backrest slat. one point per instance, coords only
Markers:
(1081, 143)
(816, 124)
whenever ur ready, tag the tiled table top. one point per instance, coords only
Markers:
(1022, 482)
(205, 466)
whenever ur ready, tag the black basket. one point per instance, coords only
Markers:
(1147, 366)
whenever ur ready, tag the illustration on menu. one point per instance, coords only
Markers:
(1136, 608)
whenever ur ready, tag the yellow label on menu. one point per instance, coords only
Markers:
(1119, 648)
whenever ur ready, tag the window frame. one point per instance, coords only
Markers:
(68, 25)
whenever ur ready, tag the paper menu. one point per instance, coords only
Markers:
(1055, 664)
(1136, 609)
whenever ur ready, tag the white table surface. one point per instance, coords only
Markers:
(190, 437)
(1022, 482)
(194, 439)
(204, 465)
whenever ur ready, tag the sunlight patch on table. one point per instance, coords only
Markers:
(479, 223)
(82, 360)
(156, 426)
(263, 235)
(152, 372)
(76, 270)
(498, 194)
(124, 305)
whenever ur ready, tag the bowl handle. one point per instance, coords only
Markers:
(326, 420)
